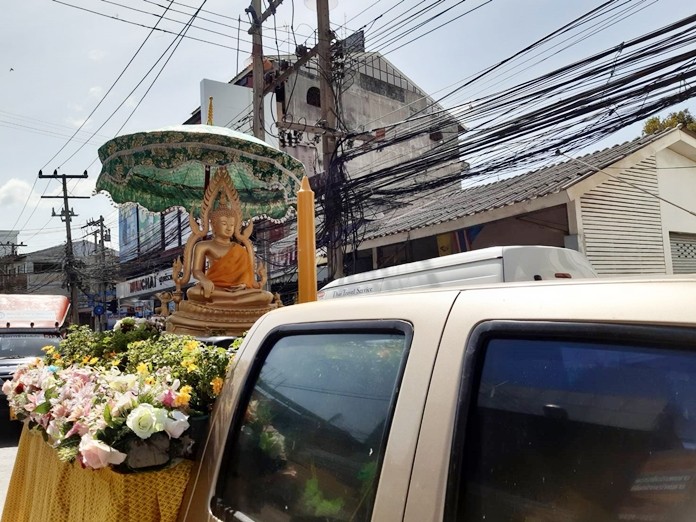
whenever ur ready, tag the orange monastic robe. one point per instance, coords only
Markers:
(233, 269)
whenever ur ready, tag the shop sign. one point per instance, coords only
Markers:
(147, 284)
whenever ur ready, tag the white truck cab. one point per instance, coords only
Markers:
(519, 401)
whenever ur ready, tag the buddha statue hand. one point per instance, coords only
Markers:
(207, 285)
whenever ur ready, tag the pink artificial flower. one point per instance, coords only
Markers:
(53, 430)
(77, 429)
(167, 398)
(96, 454)
(34, 399)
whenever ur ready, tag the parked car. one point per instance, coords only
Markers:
(525, 401)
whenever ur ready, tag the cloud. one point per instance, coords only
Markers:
(76, 122)
(96, 55)
(96, 92)
(16, 192)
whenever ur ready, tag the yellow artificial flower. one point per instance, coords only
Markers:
(142, 369)
(190, 346)
(94, 360)
(85, 359)
(184, 396)
(217, 383)
(189, 365)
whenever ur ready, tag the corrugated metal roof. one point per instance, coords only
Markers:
(524, 187)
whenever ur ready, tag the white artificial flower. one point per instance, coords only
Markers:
(176, 424)
(146, 420)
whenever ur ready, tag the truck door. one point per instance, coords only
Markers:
(560, 421)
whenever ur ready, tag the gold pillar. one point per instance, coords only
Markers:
(306, 245)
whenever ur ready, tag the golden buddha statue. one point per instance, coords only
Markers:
(229, 295)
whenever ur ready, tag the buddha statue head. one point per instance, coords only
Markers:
(225, 218)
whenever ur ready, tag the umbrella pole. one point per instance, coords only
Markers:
(306, 244)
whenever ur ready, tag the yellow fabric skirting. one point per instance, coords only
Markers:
(44, 489)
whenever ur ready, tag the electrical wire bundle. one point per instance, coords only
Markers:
(521, 127)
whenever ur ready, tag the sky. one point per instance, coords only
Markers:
(64, 66)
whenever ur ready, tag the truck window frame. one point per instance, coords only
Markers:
(267, 344)
(682, 338)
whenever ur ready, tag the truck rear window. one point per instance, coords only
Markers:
(564, 430)
(314, 429)
(25, 345)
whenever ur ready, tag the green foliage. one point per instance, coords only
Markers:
(655, 124)
(316, 504)
(195, 364)
(105, 349)
(138, 347)
(234, 345)
(367, 476)
(68, 448)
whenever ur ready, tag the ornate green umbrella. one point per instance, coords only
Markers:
(166, 168)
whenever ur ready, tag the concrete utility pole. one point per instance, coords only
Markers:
(65, 215)
(7, 285)
(13, 247)
(257, 68)
(328, 116)
(327, 125)
(102, 283)
(257, 19)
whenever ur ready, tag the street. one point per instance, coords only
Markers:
(8, 449)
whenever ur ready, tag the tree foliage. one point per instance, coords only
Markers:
(656, 124)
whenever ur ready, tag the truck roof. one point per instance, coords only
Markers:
(33, 311)
(600, 299)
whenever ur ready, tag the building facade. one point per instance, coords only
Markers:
(629, 208)
(44, 272)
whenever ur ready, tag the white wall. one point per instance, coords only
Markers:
(363, 109)
(676, 176)
(232, 108)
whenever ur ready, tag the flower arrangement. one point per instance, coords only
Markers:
(127, 399)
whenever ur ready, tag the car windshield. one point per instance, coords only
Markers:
(25, 346)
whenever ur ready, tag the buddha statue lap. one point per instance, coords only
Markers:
(229, 295)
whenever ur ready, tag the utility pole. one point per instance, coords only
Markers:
(259, 78)
(102, 282)
(9, 284)
(327, 125)
(65, 215)
(328, 139)
(13, 247)
(257, 68)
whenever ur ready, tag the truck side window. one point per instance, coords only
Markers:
(311, 442)
(562, 429)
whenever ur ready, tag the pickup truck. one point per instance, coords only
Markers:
(540, 401)
(27, 324)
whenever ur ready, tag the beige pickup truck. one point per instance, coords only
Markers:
(543, 401)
